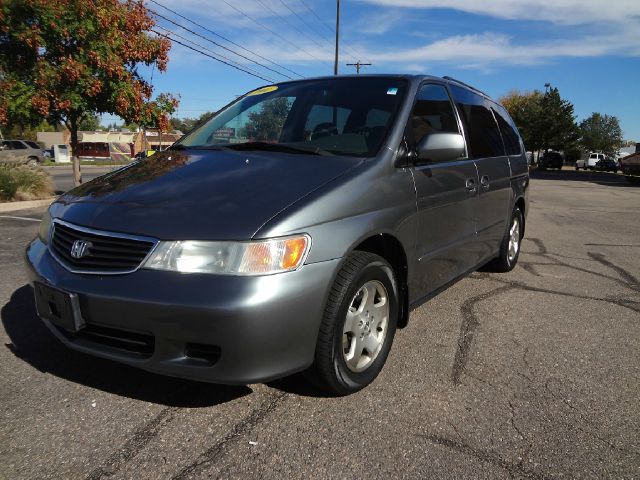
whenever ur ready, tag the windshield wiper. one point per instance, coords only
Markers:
(198, 147)
(277, 147)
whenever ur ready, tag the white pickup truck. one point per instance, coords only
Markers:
(590, 162)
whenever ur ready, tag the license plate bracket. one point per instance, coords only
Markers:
(59, 307)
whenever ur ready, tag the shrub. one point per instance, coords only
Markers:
(19, 182)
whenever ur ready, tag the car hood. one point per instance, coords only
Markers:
(200, 194)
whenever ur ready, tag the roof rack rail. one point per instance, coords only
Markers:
(447, 77)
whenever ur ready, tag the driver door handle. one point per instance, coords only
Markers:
(484, 181)
(470, 185)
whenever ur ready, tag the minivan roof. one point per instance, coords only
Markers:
(412, 78)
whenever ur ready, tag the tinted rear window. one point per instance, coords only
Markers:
(483, 135)
(508, 130)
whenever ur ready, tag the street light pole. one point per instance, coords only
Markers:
(335, 63)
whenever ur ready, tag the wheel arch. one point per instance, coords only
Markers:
(520, 203)
(391, 249)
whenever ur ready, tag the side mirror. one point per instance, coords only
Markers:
(441, 147)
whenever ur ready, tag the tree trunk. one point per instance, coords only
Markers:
(75, 148)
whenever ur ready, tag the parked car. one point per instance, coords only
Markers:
(607, 165)
(298, 240)
(21, 151)
(550, 160)
(590, 162)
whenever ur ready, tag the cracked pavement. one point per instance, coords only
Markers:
(532, 374)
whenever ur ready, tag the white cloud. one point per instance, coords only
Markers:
(566, 12)
(378, 23)
(481, 51)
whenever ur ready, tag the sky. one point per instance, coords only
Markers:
(588, 49)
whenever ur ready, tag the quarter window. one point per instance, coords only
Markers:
(483, 135)
(15, 145)
(508, 130)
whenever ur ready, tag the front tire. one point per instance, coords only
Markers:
(358, 326)
(510, 246)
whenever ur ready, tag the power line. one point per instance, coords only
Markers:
(270, 30)
(311, 27)
(169, 32)
(217, 44)
(354, 52)
(289, 23)
(227, 40)
(211, 56)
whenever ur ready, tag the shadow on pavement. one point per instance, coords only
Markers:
(35, 344)
(601, 178)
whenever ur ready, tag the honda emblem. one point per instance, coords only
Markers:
(80, 248)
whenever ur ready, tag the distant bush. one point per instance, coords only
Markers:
(19, 182)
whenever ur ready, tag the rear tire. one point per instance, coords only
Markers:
(358, 326)
(510, 246)
(32, 162)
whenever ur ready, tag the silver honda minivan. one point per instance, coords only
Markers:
(293, 231)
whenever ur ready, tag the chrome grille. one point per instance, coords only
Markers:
(104, 252)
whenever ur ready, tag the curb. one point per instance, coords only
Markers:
(13, 206)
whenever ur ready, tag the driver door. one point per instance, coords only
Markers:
(447, 196)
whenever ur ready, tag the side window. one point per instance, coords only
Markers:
(7, 145)
(508, 130)
(15, 145)
(432, 112)
(483, 135)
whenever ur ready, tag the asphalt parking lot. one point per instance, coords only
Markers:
(531, 374)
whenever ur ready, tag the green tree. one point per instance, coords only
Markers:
(28, 132)
(266, 124)
(186, 124)
(526, 110)
(67, 60)
(183, 124)
(560, 131)
(89, 123)
(601, 133)
(545, 120)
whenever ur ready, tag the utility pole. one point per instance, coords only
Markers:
(335, 63)
(358, 65)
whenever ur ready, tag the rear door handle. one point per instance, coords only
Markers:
(484, 181)
(470, 185)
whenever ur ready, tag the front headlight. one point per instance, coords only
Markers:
(262, 257)
(45, 228)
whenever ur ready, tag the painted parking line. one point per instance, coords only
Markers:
(28, 219)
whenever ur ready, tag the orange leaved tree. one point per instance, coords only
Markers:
(65, 60)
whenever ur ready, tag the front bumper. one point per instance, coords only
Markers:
(262, 328)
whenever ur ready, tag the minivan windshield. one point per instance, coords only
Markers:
(340, 116)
